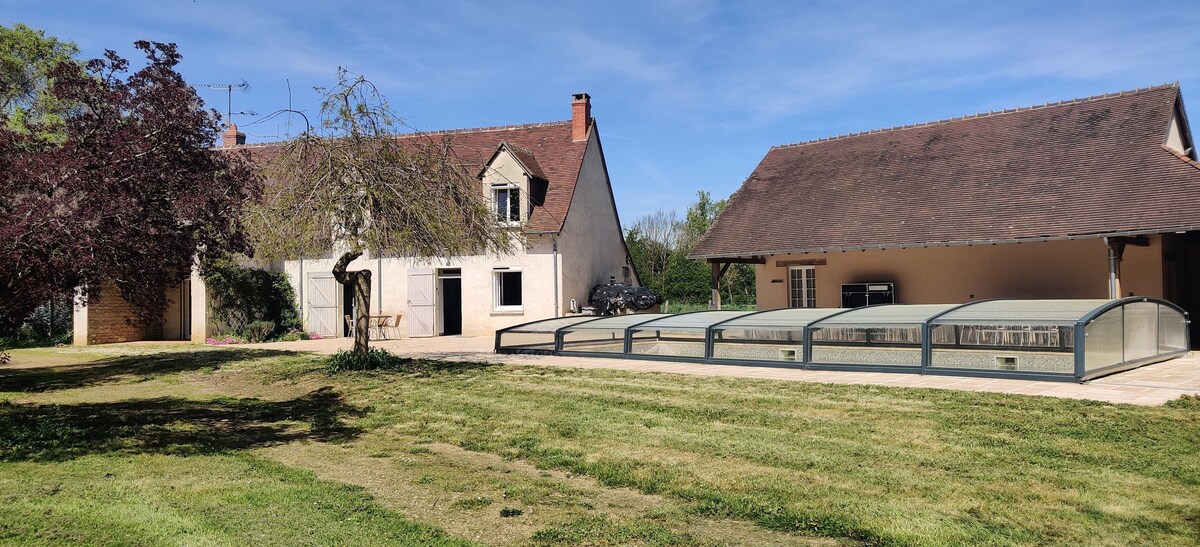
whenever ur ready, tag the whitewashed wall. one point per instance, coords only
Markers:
(591, 241)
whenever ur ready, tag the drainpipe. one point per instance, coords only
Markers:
(301, 303)
(378, 288)
(1112, 269)
(554, 253)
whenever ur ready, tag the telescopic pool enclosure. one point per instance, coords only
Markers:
(1036, 339)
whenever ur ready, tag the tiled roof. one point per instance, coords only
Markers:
(1081, 168)
(528, 161)
(558, 160)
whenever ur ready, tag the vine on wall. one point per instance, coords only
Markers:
(242, 296)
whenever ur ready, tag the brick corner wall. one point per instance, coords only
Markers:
(111, 319)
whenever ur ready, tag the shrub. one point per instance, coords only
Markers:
(243, 295)
(373, 359)
(259, 331)
(48, 325)
(4, 358)
(509, 512)
(50, 321)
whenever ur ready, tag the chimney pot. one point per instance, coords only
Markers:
(232, 137)
(581, 116)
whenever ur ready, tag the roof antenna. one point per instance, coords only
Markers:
(289, 118)
(244, 86)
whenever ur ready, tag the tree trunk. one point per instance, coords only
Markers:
(362, 302)
(358, 281)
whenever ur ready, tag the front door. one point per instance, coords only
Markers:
(421, 304)
(323, 305)
(178, 314)
(450, 301)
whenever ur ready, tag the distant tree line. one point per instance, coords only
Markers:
(660, 243)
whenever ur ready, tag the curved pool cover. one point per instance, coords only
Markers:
(1037, 339)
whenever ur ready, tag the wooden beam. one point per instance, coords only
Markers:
(720, 266)
(1136, 241)
(800, 262)
(739, 260)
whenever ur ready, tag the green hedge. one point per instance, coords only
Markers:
(242, 296)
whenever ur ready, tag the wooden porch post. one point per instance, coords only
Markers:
(716, 285)
(1116, 253)
(1115, 250)
(720, 266)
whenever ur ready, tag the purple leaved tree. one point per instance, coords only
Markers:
(124, 189)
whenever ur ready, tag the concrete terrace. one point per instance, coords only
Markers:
(1150, 385)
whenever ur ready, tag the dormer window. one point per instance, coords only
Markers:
(516, 183)
(507, 198)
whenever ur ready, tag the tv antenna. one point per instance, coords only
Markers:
(244, 86)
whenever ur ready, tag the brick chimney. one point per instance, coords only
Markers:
(581, 116)
(232, 137)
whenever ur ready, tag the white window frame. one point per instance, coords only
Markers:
(497, 276)
(806, 286)
(507, 187)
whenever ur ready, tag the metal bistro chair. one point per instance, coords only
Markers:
(379, 325)
(375, 326)
(395, 326)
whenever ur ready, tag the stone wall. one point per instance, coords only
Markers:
(110, 319)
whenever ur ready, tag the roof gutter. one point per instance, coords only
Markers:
(960, 243)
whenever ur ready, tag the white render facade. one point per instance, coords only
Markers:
(548, 180)
(553, 271)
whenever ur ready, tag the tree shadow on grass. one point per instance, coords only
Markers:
(125, 368)
(424, 367)
(170, 425)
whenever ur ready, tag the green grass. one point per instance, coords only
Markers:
(173, 470)
(715, 460)
(681, 307)
(881, 465)
(19, 342)
(145, 499)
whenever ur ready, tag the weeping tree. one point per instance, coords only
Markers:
(357, 183)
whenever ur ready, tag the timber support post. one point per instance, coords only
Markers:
(715, 302)
(1116, 253)
(720, 266)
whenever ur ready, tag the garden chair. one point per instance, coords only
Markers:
(379, 326)
(395, 326)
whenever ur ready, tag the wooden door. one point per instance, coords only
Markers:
(185, 310)
(421, 303)
(322, 305)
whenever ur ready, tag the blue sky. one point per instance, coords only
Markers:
(688, 94)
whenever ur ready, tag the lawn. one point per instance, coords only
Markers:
(237, 446)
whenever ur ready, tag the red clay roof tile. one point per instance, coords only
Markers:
(558, 160)
(1077, 168)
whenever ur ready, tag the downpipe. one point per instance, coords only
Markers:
(554, 254)
(1112, 270)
